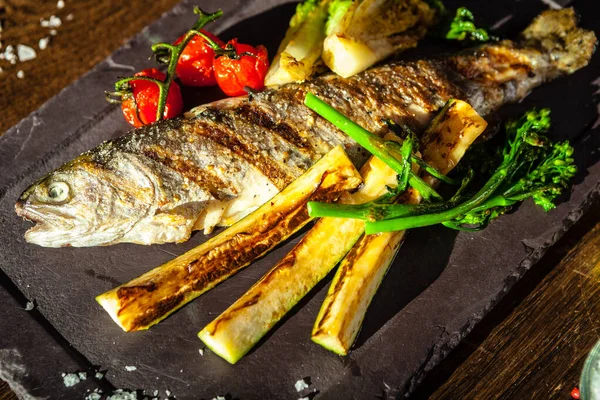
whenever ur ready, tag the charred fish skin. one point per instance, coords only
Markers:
(159, 183)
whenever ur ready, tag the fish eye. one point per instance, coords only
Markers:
(58, 192)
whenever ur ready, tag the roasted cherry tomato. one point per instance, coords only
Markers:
(141, 105)
(195, 64)
(248, 68)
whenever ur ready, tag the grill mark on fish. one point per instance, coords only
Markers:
(205, 178)
(223, 135)
(285, 155)
(259, 117)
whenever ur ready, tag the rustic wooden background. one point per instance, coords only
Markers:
(531, 346)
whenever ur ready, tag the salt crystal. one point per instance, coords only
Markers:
(53, 32)
(20, 74)
(301, 385)
(71, 380)
(168, 393)
(25, 53)
(52, 22)
(201, 352)
(9, 54)
(130, 368)
(29, 306)
(69, 17)
(60, 5)
(43, 43)
(99, 375)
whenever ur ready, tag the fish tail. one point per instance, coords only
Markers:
(556, 33)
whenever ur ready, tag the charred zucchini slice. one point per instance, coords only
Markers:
(233, 333)
(357, 279)
(150, 298)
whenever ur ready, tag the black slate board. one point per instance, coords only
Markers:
(440, 286)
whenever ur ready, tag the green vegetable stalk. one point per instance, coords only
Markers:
(532, 167)
(377, 146)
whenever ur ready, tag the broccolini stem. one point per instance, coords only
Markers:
(402, 223)
(371, 142)
(375, 211)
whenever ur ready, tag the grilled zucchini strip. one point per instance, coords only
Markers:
(150, 298)
(233, 333)
(362, 270)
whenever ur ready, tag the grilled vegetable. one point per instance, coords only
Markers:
(359, 275)
(233, 333)
(150, 298)
(139, 107)
(302, 45)
(531, 166)
(367, 31)
(246, 67)
(195, 64)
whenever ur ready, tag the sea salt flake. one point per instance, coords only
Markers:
(93, 396)
(301, 385)
(29, 306)
(201, 351)
(60, 4)
(82, 375)
(53, 32)
(71, 380)
(130, 368)
(9, 54)
(99, 375)
(43, 43)
(20, 74)
(69, 17)
(168, 393)
(25, 53)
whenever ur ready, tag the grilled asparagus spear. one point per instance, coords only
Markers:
(362, 270)
(150, 298)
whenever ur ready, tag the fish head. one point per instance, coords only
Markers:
(80, 204)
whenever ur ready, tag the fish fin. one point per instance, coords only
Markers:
(556, 33)
(173, 225)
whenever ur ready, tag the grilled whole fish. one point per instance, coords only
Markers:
(158, 183)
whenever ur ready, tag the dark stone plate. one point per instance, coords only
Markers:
(440, 286)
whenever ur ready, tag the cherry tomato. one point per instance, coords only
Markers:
(195, 64)
(140, 107)
(249, 68)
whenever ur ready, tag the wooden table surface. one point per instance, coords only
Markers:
(531, 346)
